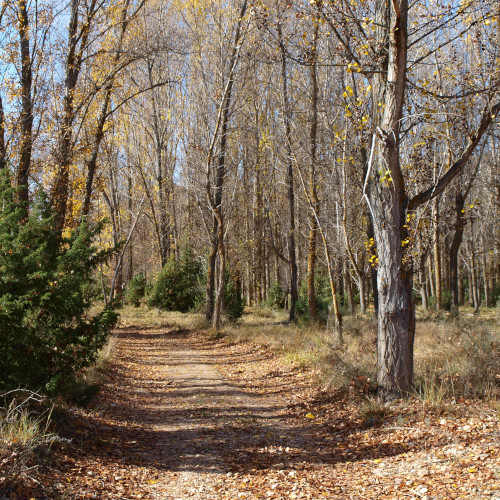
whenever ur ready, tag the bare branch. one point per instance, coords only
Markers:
(489, 114)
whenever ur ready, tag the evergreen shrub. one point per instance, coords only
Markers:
(275, 296)
(45, 336)
(136, 289)
(178, 285)
(323, 299)
(233, 301)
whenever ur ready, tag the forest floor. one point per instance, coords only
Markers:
(183, 416)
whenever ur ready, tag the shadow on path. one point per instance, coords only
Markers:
(167, 406)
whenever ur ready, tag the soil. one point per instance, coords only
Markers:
(184, 417)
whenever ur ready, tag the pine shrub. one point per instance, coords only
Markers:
(275, 296)
(136, 289)
(323, 298)
(44, 335)
(178, 285)
(233, 301)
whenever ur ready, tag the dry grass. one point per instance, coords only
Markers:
(95, 373)
(314, 348)
(24, 437)
(145, 316)
(455, 359)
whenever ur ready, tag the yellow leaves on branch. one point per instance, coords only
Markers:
(348, 91)
(353, 67)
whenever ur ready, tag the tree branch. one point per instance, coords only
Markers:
(489, 114)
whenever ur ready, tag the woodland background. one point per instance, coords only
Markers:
(248, 130)
(303, 178)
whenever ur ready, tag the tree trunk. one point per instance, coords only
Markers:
(313, 133)
(257, 210)
(387, 198)
(348, 287)
(92, 162)
(437, 257)
(77, 42)
(460, 280)
(26, 118)
(423, 291)
(212, 258)
(215, 199)
(475, 289)
(130, 273)
(453, 253)
(162, 208)
(222, 274)
(445, 260)
(485, 273)
(3, 150)
(362, 294)
(292, 257)
(103, 115)
(337, 316)
(471, 287)
(431, 276)
(373, 269)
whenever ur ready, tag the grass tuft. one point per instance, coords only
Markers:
(24, 437)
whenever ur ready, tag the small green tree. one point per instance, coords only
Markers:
(178, 285)
(323, 298)
(275, 296)
(136, 289)
(44, 336)
(233, 301)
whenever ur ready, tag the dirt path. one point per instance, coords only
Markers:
(172, 423)
(198, 419)
(181, 417)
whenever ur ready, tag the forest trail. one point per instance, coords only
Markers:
(184, 417)
(170, 424)
(197, 422)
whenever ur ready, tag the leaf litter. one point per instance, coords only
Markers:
(183, 417)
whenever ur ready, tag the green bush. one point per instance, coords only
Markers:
(178, 285)
(44, 336)
(136, 289)
(93, 290)
(446, 299)
(233, 301)
(323, 298)
(275, 296)
(495, 295)
(432, 301)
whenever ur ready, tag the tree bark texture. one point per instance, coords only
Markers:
(437, 257)
(213, 304)
(26, 119)
(453, 252)
(387, 197)
(313, 145)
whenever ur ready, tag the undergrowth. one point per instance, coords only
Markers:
(25, 439)
(457, 359)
